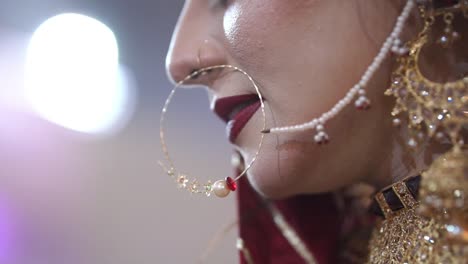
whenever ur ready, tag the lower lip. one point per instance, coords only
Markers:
(235, 126)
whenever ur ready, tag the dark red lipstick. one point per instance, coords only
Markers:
(236, 111)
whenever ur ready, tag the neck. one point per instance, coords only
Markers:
(403, 161)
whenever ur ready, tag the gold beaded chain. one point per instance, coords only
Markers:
(220, 188)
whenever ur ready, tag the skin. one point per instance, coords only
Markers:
(305, 55)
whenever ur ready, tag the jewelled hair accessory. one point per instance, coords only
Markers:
(220, 188)
(362, 102)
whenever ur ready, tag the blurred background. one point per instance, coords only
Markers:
(82, 84)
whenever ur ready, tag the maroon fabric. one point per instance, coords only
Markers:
(314, 217)
(445, 3)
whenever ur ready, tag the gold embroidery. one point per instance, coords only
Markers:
(405, 196)
(291, 235)
(406, 237)
(387, 212)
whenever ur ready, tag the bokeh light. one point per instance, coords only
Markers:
(72, 74)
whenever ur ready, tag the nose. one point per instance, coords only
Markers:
(194, 43)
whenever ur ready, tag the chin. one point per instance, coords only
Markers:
(286, 165)
(279, 174)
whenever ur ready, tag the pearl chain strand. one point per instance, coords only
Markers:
(359, 87)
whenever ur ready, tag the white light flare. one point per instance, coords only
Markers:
(72, 74)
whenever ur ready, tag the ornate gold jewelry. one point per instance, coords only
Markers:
(442, 108)
(220, 188)
(434, 230)
(444, 195)
(404, 236)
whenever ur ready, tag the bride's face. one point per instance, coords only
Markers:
(305, 55)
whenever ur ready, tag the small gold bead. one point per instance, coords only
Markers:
(182, 181)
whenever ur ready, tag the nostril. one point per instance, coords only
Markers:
(178, 72)
(185, 61)
(179, 67)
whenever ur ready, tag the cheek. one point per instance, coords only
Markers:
(255, 29)
(296, 51)
(287, 46)
(243, 40)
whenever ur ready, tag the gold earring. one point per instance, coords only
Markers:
(440, 111)
(220, 188)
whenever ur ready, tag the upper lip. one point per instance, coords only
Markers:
(227, 107)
